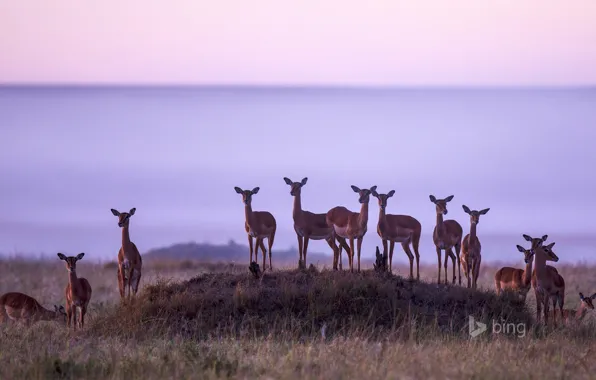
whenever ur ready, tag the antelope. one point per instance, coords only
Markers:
(518, 280)
(569, 315)
(21, 308)
(78, 291)
(350, 225)
(308, 225)
(547, 283)
(129, 257)
(447, 234)
(259, 225)
(470, 253)
(402, 229)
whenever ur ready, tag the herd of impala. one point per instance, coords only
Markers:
(22, 308)
(338, 224)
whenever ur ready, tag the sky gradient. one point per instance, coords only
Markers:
(308, 42)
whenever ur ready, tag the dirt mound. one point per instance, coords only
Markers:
(304, 303)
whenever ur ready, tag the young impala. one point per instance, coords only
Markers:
(21, 308)
(78, 291)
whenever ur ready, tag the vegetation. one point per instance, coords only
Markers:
(210, 320)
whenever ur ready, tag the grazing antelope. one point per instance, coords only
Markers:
(547, 283)
(402, 229)
(259, 225)
(350, 225)
(446, 236)
(78, 291)
(129, 257)
(470, 253)
(518, 280)
(569, 315)
(21, 308)
(308, 225)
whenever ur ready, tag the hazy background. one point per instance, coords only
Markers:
(492, 102)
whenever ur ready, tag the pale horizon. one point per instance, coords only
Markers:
(312, 43)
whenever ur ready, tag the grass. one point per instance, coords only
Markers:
(209, 320)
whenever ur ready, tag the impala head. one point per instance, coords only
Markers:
(246, 194)
(441, 203)
(383, 198)
(123, 217)
(536, 242)
(528, 254)
(548, 251)
(364, 193)
(60, 313)
(474, 214)
(587, 301)
(295, 186)
(71, 261)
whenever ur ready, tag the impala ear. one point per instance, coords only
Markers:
(528, 238)
(520, 248)
(61, 256)
(544, 238)
(288, 181)
(238, 190)
(593, 296)
(132, 211)
(432, 198)
(255, 190)
(466, 209)
(449, 198)
(114, 212)
(390, 194)
(355, 188)
(303, 182)
(549, 246)
(373, 188)
(80, 255)
(482, 212)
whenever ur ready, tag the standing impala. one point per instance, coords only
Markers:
(309, 226)
(78, 291)
(470, 253)
(518, 280)
(547, 283)
(21, 308)
(350, 225)
(129, 257)
(446, 235)
(402, 229)
(259, 225)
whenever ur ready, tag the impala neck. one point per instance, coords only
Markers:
(73, 279)
(540, 264)
(528, 273)
(248, 213)
(472, 232)
(363, 216)
(125, 236)
(297, 211)
(581, 311)
(382, 215)
(439, 220)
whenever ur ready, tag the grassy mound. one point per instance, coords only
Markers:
(300, 304)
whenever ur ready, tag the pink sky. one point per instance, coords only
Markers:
(346, 42)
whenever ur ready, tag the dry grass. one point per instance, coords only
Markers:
(200, 320)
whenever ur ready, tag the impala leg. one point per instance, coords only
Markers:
(300, 248)
(477, 270)
(68, 314)
(359, 247)
(538, 306)
(340, 259)
(306, 238)
(386, 251)
(439, 260)
(270, 244)
(331, 242)
(546, 305)
(351, 255)
(134, 280)
(406, 247)
(250, 250)
(555, 311)
(457, 253)
(469, 274)
(344, 245)
(259, 244)
(121, 283)
(446, 264)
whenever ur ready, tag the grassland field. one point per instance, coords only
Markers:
(197, 320)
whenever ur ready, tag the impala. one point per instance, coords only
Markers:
(447, 235)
